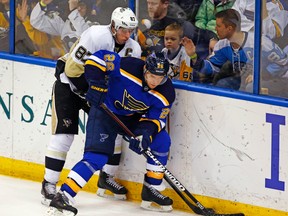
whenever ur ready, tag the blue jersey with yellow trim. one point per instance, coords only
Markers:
(127, 90)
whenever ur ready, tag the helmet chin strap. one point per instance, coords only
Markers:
(113, 32)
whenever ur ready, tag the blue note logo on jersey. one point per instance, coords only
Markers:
(130, 103)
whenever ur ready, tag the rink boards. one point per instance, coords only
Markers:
(232, 154)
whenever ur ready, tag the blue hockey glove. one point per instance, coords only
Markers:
(96, 93)
(141, 143)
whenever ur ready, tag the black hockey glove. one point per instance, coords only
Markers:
(96, 93)
(60, 66)
(142, 141)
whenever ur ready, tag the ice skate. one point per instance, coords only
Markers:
(107, 182)
(48, 192)
(153, 200)
(60, 206)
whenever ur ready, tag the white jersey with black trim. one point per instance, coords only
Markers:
(95, 38)
(180, 67)
(98, 37)
(273, 25)
(52, 23)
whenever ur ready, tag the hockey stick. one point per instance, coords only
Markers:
(169, 177)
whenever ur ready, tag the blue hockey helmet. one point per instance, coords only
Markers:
(157, 64)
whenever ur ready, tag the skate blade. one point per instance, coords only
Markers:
(102, 193)
(55, 212)
(151, 206)
(45, 201)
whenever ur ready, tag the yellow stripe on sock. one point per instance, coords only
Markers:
(155, 175)
(72, 184)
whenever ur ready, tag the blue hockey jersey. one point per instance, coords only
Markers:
(127, 91)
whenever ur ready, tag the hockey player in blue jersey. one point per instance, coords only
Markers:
(141, 95)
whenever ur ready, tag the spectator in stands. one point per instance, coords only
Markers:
(237, 47)
(205, 17)
(175, 11)
(152, 39)
(96, 7)
(274, 15)
(104, 8)
(4, 25)
(50, 21)
(189, 7)
(178, 58)
(28, 40)
(46, 46)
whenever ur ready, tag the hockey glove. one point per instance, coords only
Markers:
(96, 93)
(141, 143)
(60, 66)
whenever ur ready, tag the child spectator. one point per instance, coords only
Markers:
(179, 60)
(152, 39)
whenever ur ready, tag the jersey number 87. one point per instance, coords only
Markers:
(81, 53)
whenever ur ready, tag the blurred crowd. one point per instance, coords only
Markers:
(206, 41)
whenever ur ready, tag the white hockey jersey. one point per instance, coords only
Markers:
(180, 65)
(272, 26)
(98, 37)
(51, 23)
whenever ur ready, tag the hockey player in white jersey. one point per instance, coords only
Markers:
(68, 97)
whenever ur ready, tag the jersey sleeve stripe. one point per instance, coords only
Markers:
(90, 62)
(130, 77)
(97, 59)
(160, 97)
(277, 28)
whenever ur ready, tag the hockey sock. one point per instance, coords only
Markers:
(153, 178)
(160, 149)
(113, 163)
(154, 173)
(83, 171)
(55, 157)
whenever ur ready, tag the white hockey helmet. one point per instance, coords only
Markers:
(123, 17)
